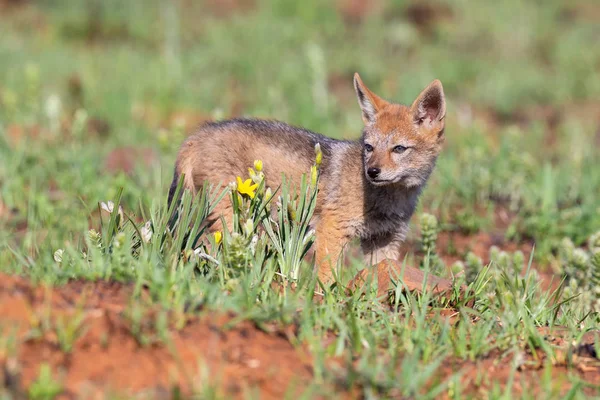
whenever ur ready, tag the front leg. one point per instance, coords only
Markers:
(381, 247)
(329, 243)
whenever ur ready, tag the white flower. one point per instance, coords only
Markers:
(146, 232)
(58, 255)
(53, 108)
(109, 206)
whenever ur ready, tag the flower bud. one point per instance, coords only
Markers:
(146, 232)
(249, 227)
(318, 154)
(313, 175)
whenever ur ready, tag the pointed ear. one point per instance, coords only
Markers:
(429, 109)
(369, 102)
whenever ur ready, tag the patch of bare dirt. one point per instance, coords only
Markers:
(20, 134)
(340, 85)
(580, 10)
(355, 11)
(184, 119)
(17, 134)
(107, 357)
(413, 279)
(425, 15)
(8, 4)
(551, 116)
(98, 127)
(453, 246)
(125, 159)
(479, 377)
(187, 120)
(227, 8)
(4, 211)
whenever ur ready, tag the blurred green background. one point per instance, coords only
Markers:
(97, 95)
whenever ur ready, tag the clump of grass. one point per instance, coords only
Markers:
(45, 387)
(504, 268)
(468, 222)
(510, 264)
(69, 328)
(429, 234)
(581, 266)
(472, 266)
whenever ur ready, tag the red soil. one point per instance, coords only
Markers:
(206, 353)
(106, 357)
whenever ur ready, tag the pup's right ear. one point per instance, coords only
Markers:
(430, 105)
(369, 102)
(429, 110)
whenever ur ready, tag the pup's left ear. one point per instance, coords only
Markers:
(429, 109)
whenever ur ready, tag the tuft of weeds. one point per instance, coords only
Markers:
(581, 267)
(69, 328)
(429, 232)
(45, 387)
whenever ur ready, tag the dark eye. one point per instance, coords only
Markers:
(368, 148)
(399, 149)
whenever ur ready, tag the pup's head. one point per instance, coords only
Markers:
(400, 143)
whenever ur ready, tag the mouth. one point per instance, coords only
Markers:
(402, 181)
(380, 182)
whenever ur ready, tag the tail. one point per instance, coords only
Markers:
(181, 180)
(171, 198)
(173, 187)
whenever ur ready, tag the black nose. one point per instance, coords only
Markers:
(373, 172)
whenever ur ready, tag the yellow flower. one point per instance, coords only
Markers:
(246, 187)
(218, 237)
(258, 165)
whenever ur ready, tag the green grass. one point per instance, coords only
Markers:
(501, 64)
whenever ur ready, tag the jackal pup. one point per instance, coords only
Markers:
(368, 188)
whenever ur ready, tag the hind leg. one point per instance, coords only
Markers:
(221, 218)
